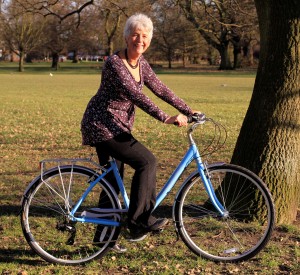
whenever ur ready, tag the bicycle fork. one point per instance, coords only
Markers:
(206, 179)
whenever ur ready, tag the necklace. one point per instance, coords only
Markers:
(127, 60)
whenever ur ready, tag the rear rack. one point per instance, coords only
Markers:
(47, 164)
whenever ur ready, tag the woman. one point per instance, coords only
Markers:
(109, 117)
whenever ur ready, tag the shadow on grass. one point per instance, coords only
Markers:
(163, 211)
(7, 210)
(28, 257)
(16, 255)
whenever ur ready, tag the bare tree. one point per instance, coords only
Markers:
(112, 19)
(49, 7)
(245, 30)
(173, 40)
(216, 21)
(67, 36)
(56, 39)
(22, 32)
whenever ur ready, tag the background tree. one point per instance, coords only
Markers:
(217, 22)
(245, 33)
(56, 40)
(82, 38)
(22, 32)
(173, 41)
(58, 33)
(112, 19)
(168, 36)
(63, 36)
(49, 8)
(269, 141)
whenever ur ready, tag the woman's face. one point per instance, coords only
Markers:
(138, 41)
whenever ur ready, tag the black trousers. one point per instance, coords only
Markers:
(126, 149)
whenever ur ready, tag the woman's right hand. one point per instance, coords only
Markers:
(179, 120)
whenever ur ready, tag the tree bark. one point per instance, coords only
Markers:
(236, 57)
(75, 56)
(21, 61)
(110, 47)
(55, 60)
(225, 63)
(269, 141)
(111, 31)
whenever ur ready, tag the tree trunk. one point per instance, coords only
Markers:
(250, 56)
(21, 61)
(111, 31)
(269, 141)
(169, 63)
(55, 60)
(248, 53)
(75, 56)
(225, 63)
(169, 57)
(236, 43)
(183, 60)
(236, 57)
(110, 47)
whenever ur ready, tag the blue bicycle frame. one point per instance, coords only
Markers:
(191, 154)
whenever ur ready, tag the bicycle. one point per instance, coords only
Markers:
(222, 212)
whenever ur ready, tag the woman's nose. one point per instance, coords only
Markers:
(139, 38)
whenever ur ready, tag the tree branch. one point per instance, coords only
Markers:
(45, 8)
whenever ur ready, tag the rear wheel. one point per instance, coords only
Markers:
(46, 223)
(236, 237)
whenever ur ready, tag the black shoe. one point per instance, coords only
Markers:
(140, 232)
(136, 235)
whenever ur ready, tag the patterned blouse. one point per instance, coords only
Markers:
(111, 111)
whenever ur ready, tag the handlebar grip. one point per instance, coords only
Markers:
(196, 117)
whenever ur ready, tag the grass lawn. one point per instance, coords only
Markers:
(40, 118)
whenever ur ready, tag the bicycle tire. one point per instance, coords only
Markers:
(240, 235)
(45, 222)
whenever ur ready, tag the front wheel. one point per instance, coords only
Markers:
(243, 232)
(46, 223)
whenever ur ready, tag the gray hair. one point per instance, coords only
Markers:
(138, 21)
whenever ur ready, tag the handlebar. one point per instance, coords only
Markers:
(219, 133)
(196, 117)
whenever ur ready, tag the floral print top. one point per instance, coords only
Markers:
(111, 111)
